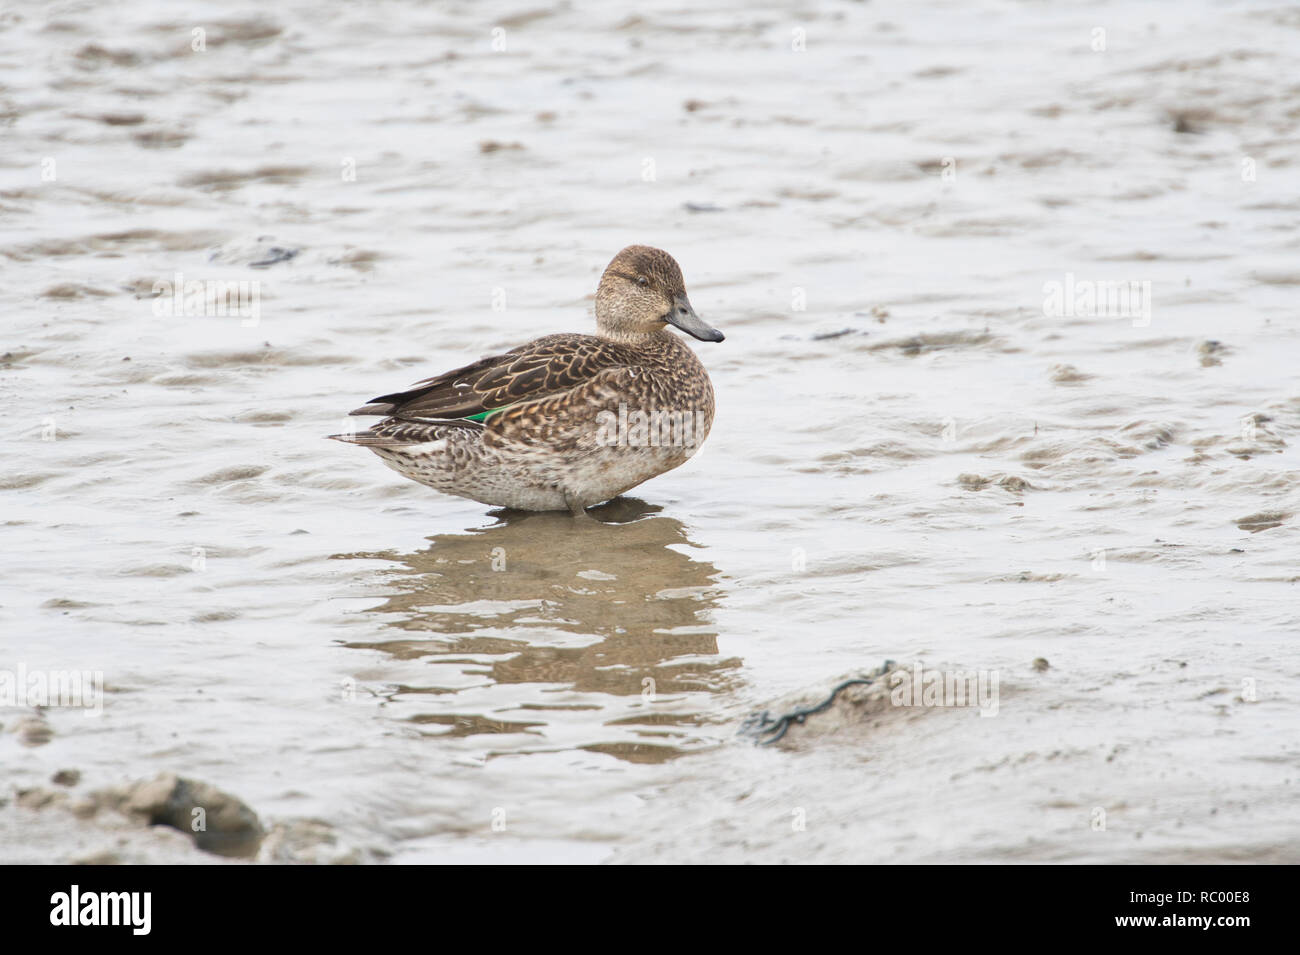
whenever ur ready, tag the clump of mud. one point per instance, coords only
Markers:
(218, 822)
(162, 820)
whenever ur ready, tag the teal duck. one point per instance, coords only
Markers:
(568, 420)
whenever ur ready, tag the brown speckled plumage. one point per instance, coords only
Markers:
(553, 414)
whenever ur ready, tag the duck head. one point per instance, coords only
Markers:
(641, 292)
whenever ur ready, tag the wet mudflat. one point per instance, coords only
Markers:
(943, 438)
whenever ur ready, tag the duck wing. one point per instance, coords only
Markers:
(548, 366)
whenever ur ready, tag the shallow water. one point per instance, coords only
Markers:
(912, 458)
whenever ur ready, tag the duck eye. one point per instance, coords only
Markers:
(642, 281)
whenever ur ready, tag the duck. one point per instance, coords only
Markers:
(568, 420)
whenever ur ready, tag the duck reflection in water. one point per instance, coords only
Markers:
(603, 621)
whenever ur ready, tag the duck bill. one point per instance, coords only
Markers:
(683, 316)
